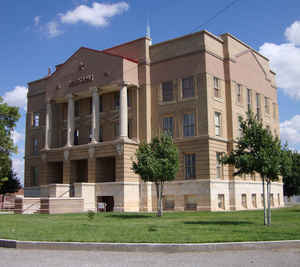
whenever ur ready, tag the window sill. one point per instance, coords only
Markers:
(219, 99)
(162, 103)
(189, 99)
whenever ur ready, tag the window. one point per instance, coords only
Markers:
(90, 134)
(34, 176)
(218, 123)
(91, 105)
(238, 93)
(76, 137)
(188, 125)
(219, 165)
(249, 99)
(130, 128)
(221, 201)
(77, 108)
(278, 197)
(254, 204)
(272, 200)
(258, 105)
(267, 106)
(100, 134)
(167, 91)
(169, 202)
(117, 129)
(262, 200)
(168, 125)
(36, 120)
(190, 166)
(268, 129)
(188, 87)
(117, 100)
(252, 176)
(100, 103)
(190, 202)
(217, 91)
(240, 130)
(35, 150)
(244, 201)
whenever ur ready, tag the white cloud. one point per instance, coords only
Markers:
(97, 15)
(17, 97)
(53, 29)
(37, 20)
(290, 130)
(285, 61)
(17, 136)
(292, 33)
(18, 166)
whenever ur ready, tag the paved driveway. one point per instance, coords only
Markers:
(33, 258)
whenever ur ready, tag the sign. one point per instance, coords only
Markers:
(81, 80)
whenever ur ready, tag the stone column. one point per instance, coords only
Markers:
(70, 140)
(48, 130)
(95, 116)
(123, 112)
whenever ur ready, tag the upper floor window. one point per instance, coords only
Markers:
(101, 134)
(36, 120)
(239, 93)
(90, 105)
(217, 123)
(77, 108)
(117, 100)
(190, 166)
(35, 149)
(219, 165)
(168, 125)
(130, 128)
(258, 105)
(167, 91)
(249, 99)
(34, 176)
(188, 125)
(76, 137)
(188, 89)
(217, 91)
(267, 106)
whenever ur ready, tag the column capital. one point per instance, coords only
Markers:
(70, 96)
(124, 83)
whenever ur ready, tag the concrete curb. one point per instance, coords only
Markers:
(149, 247)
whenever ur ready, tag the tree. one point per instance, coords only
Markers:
(258, 151)
(157, 162)
(8, 118)
(11, 185)
(291, 182)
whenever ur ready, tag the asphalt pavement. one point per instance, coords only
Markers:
(36, 258)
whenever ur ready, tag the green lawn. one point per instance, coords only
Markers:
(173, 227)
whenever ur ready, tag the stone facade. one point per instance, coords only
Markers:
(85, 121)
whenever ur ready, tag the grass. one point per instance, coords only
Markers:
(173, 227)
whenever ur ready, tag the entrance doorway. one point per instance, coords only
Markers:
(108, 200)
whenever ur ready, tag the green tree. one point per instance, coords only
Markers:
(291, 182)
(257, 150)
(157, 162)
(11, 185)
(8, 118)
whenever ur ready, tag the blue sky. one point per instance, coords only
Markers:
(38, 34)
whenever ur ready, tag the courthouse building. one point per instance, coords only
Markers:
(86, 119)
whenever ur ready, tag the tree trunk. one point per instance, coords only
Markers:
(2, 204)
(264, 200)
(269, 202)
(159, 189)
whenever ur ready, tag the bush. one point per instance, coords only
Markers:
(91, 215)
